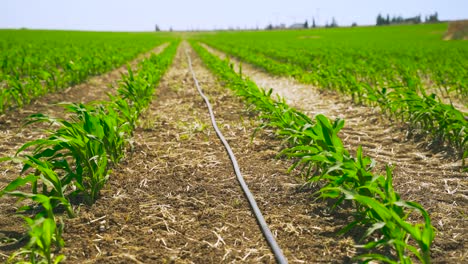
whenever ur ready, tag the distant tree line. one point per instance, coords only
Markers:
(381, 20)
(304, 25)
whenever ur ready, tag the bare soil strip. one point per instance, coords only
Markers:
(432, 179)
(13, 135)
(177, 199)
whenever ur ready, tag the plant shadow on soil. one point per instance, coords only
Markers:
(343, 214)
(155, 175)
(12, 240)
(176, 198)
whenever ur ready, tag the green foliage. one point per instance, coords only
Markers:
(315, 146)
(77, 148)
(75, 160)
(398, 68)
(44, 233)
(35, 62)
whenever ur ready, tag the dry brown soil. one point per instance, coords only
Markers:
(457, 30)
(429, 176)
(14, 134)
(175, 198)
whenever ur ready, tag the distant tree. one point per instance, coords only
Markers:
(313, 23)
(170, 29)
(354, 24)
(417, 19)
(156, 28)
(380, 20)
(412, 20)
(269, 27)
(432, 18)
(334, 23)
(306, 24)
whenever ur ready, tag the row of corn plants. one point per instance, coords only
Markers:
(370, 77)
(314, 145)
(36, 62)
(74, 162)
(385, 53)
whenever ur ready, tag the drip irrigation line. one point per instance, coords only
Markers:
(258, 214)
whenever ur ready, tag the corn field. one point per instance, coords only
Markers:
(91, 154)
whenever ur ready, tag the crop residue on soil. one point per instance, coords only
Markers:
(434, 179)
(177, 198)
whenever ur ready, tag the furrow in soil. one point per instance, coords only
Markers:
(176, 199)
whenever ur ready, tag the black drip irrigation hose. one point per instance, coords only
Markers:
(258, 214)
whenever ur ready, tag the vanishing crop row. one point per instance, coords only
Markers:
(392, 53)
(315, 146)
(74, 162)
(393, 81)
(33, 63)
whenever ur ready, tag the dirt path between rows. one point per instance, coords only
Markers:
(13, 135)
(432, 179)
(176, 199)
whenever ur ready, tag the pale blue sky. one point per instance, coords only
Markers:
(142, 15)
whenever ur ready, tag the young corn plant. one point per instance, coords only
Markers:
(381, 209)
(36, 63)
(134, 94)
(43, 180)
(317, 148)
(79, 142)
(403, 96)
(75, 159)
(44, 233)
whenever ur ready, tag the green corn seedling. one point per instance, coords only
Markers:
(316, 147)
